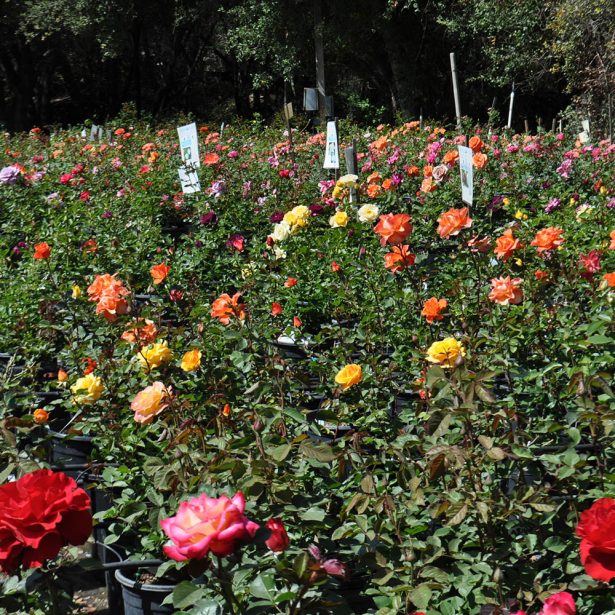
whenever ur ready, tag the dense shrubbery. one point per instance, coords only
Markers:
(421, 390)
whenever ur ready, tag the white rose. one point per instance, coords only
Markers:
(281, 231)
(368, 213)
(279, 253)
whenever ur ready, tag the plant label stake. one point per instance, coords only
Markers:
(189, 179)
(455, 90)
(467, 174)
(584, 135)
(221, 130)
(189, 145)
(350, 154)
(332, 152)
(288, 114)
(310, 99)
(93, 132)
(510, 106)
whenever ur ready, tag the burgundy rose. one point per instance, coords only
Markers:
(209, 218)
(316, 209)
(276, 216)
(278, 541)
(39, 514)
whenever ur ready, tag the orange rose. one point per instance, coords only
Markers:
(505, 291)
(42, 251)
(451, 157)
(373, 191)
(612, 244)
(475, 144)
(427, 185)
(453, 221)
(387, 184)
(540, 275)
(393, 228)
(548, 239)
(40, 416)
(427, 170)
(290, 282)
(225, 307)
(479, 160)
(142, 333)
(399, 259)
(211, 159)
(149, 402)
(111, 306)
(609, 278)
(506, 245)
(374, 178)
(276, 309)
(413, 171)
(432, 309)
(159, 273)
(106, 284)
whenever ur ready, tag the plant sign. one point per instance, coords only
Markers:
(189, 145)
(332, 155)
(467, 174)
(189, 180)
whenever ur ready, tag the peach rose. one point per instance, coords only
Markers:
(453, 221)
(506, 291)
(506, 245)
(548, 239)
(152, 400)
(204, 524)
(479, 160)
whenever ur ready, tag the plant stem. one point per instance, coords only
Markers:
(226, 587)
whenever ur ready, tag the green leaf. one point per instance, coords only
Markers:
(313, 514)
(599, 339)
(279, 453)
(300, 564)
(421, 596)
(262, 587)
(207, 607)
(186, 594)
(319, 452)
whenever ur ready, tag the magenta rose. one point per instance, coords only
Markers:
(39, 514)
(205, 524)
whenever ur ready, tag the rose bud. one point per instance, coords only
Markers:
(278, 541)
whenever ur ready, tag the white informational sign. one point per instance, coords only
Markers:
(189, 179)
(84, 134)
(101, 133)
(585, 124)
(93, 132)
(332, 153)
(189, 145)
(467, 174)
(288, 111)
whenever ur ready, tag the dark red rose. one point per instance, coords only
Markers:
(596, 529)
(209, 218)
(278, 541)
(276, 216)
(39, 514)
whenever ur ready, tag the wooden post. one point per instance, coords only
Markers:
(527, 127)
(352, 166)
(553, 125)
(319, 48)
(455, 90)
(510, 107)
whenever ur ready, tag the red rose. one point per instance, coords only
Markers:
(596, 528)
(278, 541)
(39, 514)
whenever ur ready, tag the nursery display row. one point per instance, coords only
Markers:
(298, 390)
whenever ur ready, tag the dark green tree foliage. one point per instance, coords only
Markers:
(66, 61)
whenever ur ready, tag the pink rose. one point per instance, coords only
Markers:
(561, 603)
(205, 524)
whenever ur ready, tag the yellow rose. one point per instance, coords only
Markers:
(150, 401)
(191, 360)
(447, 353)
(604, 190)
(368, 213)
(290, 218)
(520, 215)
(88, 389)
(302, 212)
(349, 376)
(337, 193)
(340, 218)
(154, 355)
(76, 292)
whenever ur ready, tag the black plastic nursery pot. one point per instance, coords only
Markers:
(143, 598)
(70, 453)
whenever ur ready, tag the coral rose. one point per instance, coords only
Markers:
(191, 360)
(143, 333)
(204, 524)
(548, 239)
(349, 376)
(432, 309)
(42, 251)
(479, 160)
(561, 603)
(609, 279)
(475, 144)
(39, 514)
(40, 416)
(110, 306)
(447, 353)
(506, 245)
(276, 309)
(399, 259)
(596, 529)
(225, 307)
(393, 228)
(453, 221)
(506, 291)
(154, 355)
(88, 389)
(152, 400)
(278, 541)
(159, 273)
